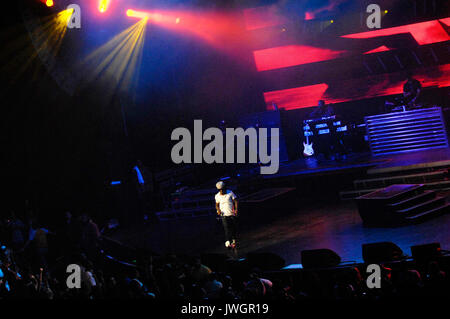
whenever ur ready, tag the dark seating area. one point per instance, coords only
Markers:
(36, 269)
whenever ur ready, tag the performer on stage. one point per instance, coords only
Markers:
(330, 145)
(227, 207)
(321, 110)
(411, 91)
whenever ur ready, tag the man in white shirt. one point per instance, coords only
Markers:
(227, 207)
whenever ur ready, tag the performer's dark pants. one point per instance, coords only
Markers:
(229, 225)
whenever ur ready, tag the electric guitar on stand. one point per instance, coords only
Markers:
(308, 149)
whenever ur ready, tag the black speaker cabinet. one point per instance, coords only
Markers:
(381, 252)
(320, 258)
(426, 252)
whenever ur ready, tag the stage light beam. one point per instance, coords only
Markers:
(46, 40)
(115, 65)
(220, 30)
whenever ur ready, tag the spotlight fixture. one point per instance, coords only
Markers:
(49, 3)
(137, 14)
(103, 5)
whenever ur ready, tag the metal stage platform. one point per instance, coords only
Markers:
(374, 165)
(361, 174)
(357, 175)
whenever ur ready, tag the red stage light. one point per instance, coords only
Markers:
(217, 29)
(309, 15)
(262, 17)
(291, 55)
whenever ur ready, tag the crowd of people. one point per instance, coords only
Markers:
(34, 260)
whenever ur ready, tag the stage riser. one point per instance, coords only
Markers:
(409, 169)
(425, 196)
(404, 179)
(399, 205)
(250, 206)
(183, 214)
(445, 209)
(193, 203)
(433, 178)
(349, 195)
(193, 199)
(421, 207)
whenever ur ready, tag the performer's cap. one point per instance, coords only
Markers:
(220, 185)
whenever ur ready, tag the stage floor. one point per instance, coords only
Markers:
(414, 160)
(336, 226)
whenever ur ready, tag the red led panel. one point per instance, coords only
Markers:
(379, 49)
(291, 55)
(354, 89)
(423, 32)
(296, 98)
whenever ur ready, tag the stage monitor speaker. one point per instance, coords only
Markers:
(320, 258)
(381, 252)
(265, 261)
(426, 252)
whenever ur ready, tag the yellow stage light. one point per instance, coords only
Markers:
(115, 65)
(103, 5)
(137, 14)
(46, 41)
(49, 3)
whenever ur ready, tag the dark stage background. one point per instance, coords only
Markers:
(61, 150)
